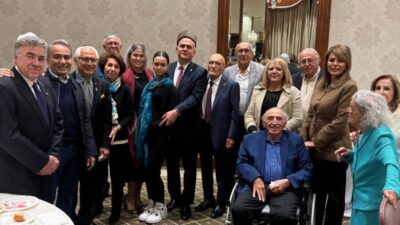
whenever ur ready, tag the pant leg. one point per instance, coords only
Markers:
(87, 192)
(189, 158)
(154, 183)
(205, 150)
(283, 208)
(173, 174)
(245, 208)
(224, 167)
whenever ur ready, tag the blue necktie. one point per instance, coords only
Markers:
(41, 101)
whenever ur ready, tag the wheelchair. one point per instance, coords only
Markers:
(305, 211)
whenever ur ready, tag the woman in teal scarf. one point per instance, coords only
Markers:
(151, 139)
(374, 158)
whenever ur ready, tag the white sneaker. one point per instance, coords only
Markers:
(147, 211)
(159, 213)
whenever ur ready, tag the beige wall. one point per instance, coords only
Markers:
(372, 30)
(85, 22)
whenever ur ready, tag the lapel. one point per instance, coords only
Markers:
(26, 91)
(252, 81)
(223, 84)
(171, 70)
(259, 159)
(283, 98)
(186, 74)
(365, 137)
(96, 93)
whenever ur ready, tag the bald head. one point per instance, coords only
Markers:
(216, 66)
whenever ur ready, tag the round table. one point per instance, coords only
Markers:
(43, 212)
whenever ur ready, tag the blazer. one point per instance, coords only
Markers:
(296, 164)
(101, 112)
(374, 167)
(191, 91)
(224, 120)
(26, 140)
(256, 71)
(326, 120)
(126, 110)
(289, 101)
(87, 138)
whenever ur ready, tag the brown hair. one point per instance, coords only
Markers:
(396, 88)
(343, 54)
(104, 58)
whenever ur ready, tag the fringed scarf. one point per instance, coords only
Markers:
(113, 88)
(145, 118)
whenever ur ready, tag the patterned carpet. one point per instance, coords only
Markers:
(173, 217)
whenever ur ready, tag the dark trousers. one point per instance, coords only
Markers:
(283, 208)
(67, 178)
(100, 177)
(120, 164)
(154, 183)
(329, 182)
(183, 147)
(206, 159)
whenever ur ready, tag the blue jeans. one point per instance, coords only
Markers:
(67, 178)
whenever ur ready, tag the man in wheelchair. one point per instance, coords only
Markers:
(273, 164)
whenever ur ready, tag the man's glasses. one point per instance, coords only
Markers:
(309, 61)
(88, 60)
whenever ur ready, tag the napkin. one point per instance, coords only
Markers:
(53, 218)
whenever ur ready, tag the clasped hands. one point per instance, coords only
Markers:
(276, 187)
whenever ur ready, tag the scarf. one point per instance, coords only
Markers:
(145, 117)
(129, 78)
(113, 88)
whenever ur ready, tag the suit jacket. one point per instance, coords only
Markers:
(289, 101)
(296, 164)
(101, 112)
(191, 91)
(87, 139)
(255, 76)
(372, 174)
(26, 140)
(298, 78)
(326, 120)
(225, 113)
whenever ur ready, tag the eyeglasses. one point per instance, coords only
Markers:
(244, 50)
(88, 60)
(214, 62)
(309, 61)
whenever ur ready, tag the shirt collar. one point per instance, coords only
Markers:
(184, 66)
(216, 81)
(29, 82)
(80, 78)
(314, 77)
(58, 77)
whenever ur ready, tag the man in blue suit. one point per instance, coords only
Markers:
(218, 132)
(273, 164)
(191, 81)
(31, 124)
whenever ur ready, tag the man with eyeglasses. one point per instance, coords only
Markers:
(308, 77)
(191, 81)
(31, 124)
(98, 103)
(217, 136)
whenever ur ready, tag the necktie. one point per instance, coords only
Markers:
(180, 74)
(207, 114)
(86, 92)
(41, 101)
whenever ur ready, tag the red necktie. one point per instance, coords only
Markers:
(207, 114)
(178, 80)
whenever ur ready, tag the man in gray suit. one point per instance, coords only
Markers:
(248, 74)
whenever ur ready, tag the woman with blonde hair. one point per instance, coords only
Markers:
(275, 90)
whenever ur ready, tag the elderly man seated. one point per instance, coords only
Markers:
(273, 164)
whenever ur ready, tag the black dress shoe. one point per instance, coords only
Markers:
(204, 205)
(217, 212)
(186, 213)
(172, 205)
(113, 219)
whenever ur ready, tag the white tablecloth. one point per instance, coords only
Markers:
(43, 212)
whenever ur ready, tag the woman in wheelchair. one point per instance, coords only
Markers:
(273, 164)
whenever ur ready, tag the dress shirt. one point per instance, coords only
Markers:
(176, 73)
(273, 167)
(307, 90)
(214, 92)
(243, 81)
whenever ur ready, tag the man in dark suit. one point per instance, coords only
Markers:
(98, 101)
(78, 146)
(31, 129)
(273, 164)
(217, 133)
(191, 81)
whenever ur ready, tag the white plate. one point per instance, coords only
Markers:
(19, 203)
(8, 218)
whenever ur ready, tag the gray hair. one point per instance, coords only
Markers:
(132, 48)
(374, 108)
(59, 42)
(285, 115)
(111, 35)
(29, 39)
(78, 51)
(308, 50)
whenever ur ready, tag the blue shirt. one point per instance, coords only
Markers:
(273, 165)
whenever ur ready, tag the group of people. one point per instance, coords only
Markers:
(276, 129)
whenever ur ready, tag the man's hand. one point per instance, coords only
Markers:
(169, 118)
(309, 144)
(4, 72)
(90, 162)
(279, 186)
(259, 189)
(105, 152)
(230, 143)
(50, 167)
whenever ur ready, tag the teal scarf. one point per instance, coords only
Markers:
(113, 88)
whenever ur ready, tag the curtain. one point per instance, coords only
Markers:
(291, 30)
